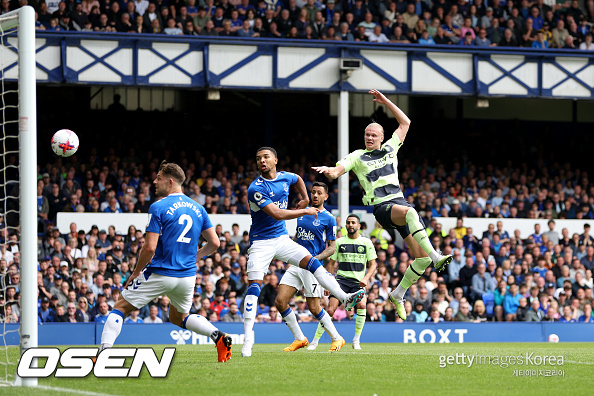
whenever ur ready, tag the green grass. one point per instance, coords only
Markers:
(378, 369)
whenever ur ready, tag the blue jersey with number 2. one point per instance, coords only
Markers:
(179, 221)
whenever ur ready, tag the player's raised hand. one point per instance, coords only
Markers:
(321, 169)
(379, 97)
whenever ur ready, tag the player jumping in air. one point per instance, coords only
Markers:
(268, 196)
(375, 167)
(353, 254)
(175, 225)
(312, 233)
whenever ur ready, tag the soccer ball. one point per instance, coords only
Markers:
(553, 338)
(64, 143)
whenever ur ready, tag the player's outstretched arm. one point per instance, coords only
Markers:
(212, 243)
(330, 172)
(302, 190)
(329, 251)
(144, 257)
(403, 120)
(284, 214)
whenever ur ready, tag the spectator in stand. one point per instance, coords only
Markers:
(482, 40)
(511, 303)
(467, 40)
(233, 315)
(540, 41)
(377, 36)
(426, 39)
(398, 36)
(172, 29)
(153, 318)
(587, 45)
(481, 283)
(45, 313)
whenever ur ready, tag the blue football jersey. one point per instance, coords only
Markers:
(313, 233)
(179, 221)
(263, 192)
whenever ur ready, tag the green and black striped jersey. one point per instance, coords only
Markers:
(377, 171)
(352, 256)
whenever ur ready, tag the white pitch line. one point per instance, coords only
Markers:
(66, 390)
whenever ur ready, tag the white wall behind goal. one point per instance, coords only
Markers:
(122, 221)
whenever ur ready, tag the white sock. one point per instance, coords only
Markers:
(326, 322)
(249, 317)
(398, 293)
(112, 329)
(357, 337)
(290, 320)
(199, 324)
(329, 283)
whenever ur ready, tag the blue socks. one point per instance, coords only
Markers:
(313, 264)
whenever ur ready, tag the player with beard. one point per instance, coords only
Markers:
(268, 197)
(376, 168)
(318, 236)
(167, 262)
(353, 254)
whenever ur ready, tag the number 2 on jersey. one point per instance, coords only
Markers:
(183, 219)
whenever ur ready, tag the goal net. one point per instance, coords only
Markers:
(18, 192)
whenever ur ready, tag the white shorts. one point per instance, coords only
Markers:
(262, 252)
(179, 290)
(297, 277)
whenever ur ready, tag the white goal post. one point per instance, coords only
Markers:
(24, 20)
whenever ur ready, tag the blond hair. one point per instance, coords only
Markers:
(374, 125)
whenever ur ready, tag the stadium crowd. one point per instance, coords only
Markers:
(496, 274)
(505, 23)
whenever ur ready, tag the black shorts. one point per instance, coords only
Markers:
(383, 215)
(348, 285)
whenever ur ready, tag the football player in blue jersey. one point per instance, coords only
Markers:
(318, 236)
(268, 197)
(167, 262)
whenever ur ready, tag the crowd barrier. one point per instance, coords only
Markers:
(278, 333)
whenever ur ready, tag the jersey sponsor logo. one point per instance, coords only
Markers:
(282, 205)
(78, 362)
(305, 235)
(180, 336)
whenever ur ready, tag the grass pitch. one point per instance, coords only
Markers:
(378, 369)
